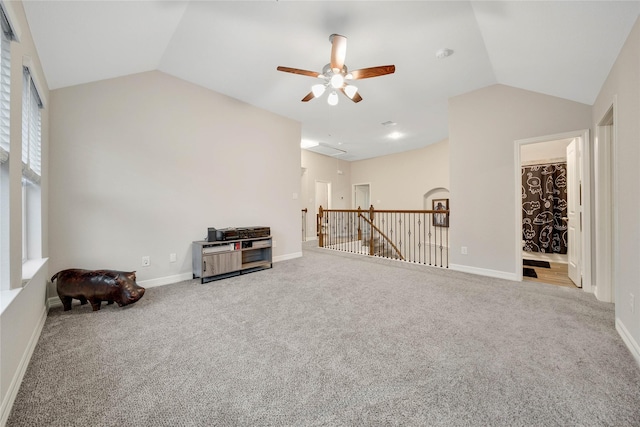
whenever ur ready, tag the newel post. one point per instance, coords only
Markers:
(319, 227)
(371, 244)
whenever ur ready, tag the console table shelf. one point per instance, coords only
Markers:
(226, 258)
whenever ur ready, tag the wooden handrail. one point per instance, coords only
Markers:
(383, 235)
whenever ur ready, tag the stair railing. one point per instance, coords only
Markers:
(416, 236)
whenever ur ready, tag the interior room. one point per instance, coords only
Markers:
(544, 186)
(129, 130)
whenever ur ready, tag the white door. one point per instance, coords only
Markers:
(361, 196)
(574, 213)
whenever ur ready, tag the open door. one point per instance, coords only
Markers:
(574, 213)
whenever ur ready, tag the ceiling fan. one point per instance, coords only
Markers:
(336, 77)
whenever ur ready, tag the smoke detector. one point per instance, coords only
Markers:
(444, 53)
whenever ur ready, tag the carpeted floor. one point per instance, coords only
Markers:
(335, 340)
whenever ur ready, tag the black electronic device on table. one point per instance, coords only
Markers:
(237, 233)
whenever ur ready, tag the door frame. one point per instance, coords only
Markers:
(315, 193)
(585, 164)
(606, 204)
(353, 192)
(574, 211)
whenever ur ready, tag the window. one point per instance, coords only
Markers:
(31, 169)
(5, 110)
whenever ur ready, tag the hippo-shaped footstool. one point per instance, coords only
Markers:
(96, 286)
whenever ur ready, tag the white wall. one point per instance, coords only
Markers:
(318, 167)
(544, 151)
(399, 181)
(483, 126)
(623, 83)
(144, 164)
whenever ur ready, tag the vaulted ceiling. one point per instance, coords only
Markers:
(563, 49)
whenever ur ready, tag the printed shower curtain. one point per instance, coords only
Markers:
(544, 204)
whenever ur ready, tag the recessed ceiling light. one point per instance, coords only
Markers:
(395, 135)
(444, 53)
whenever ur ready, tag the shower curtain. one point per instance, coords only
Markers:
(544, 204)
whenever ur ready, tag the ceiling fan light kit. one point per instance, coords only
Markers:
(336, 75)
(332, 99)
(318, 90)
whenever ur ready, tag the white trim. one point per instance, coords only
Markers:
(13, 21)
(27, 62)
(167, 280)
(586, 200)
(14, 386)
(486, 272)
(315, 193)
(287, 257)
(31, 267)
(606, 225)
(53, 302)
(631, 344)
(353, 196)
(6, 297)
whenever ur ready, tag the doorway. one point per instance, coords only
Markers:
(545, 223)
(323, 198)
(323, 195)
(361, 196)
(551, 235)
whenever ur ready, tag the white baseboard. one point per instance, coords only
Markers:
(631, 344)
(160, 281)
(53, 302)
(14, 386)
(287, 257)
(484, 272)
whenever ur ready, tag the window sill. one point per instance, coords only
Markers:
(29, 270)
(6, 297)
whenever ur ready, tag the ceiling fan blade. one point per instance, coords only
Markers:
(299, 71)
(366, 73)
(309, 97)
(338, 52)
(356, 97)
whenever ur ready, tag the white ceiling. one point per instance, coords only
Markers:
(564, 49)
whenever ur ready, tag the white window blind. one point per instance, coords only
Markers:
(31, 130)
(5, 85)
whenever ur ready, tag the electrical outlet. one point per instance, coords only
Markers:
(173, 258)
(463, 250)
(146, 261)
(632, 301)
